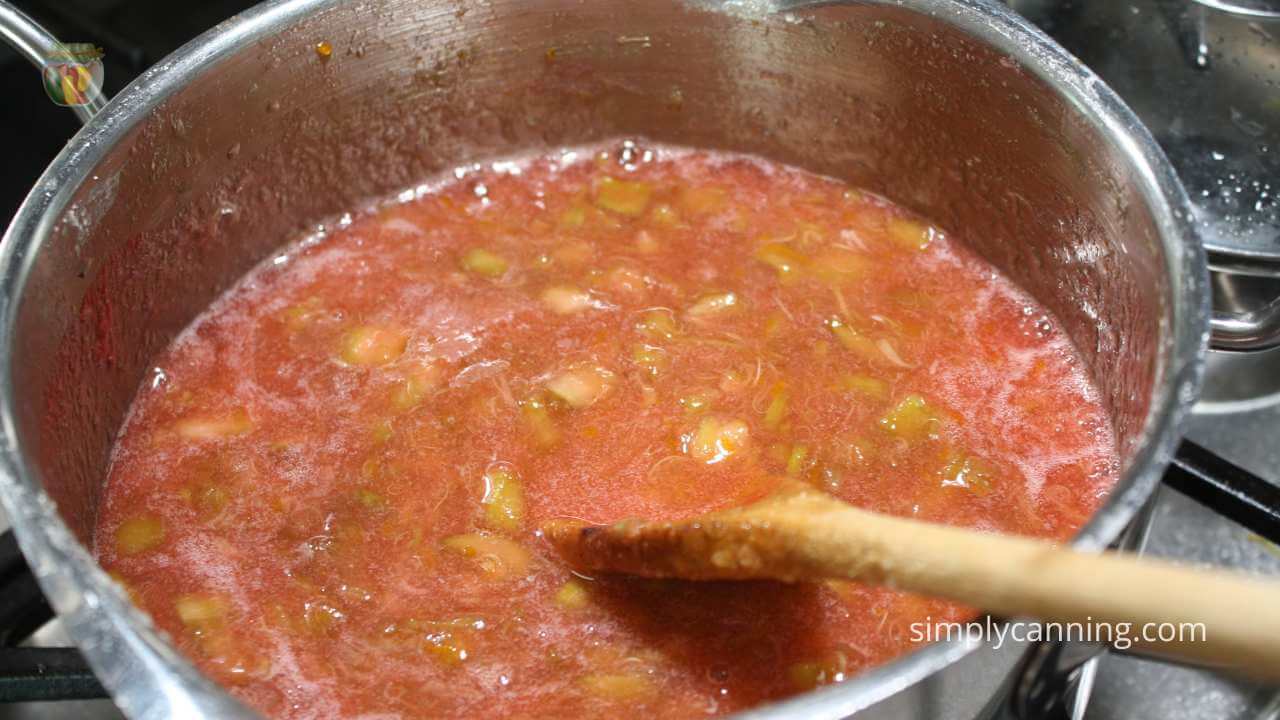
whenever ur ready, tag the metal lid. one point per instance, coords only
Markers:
(1204, 76)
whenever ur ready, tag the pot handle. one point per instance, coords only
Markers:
(1246, 331)
(36, 44)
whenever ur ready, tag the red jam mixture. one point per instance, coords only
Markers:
(329, 492)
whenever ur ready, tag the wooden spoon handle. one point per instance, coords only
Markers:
(1219, 618)
(808, 536)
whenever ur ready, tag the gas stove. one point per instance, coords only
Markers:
(1204, 75)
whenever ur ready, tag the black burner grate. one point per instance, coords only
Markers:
(31, 673)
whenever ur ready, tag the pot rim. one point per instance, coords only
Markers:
(148, 678)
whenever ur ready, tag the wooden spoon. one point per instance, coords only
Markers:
(800, 534)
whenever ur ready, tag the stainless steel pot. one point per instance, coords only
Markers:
(246, 137)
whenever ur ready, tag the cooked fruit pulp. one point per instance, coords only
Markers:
(329, 490)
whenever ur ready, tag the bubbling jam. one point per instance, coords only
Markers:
(329, 492)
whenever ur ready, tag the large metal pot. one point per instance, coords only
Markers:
(247, 136)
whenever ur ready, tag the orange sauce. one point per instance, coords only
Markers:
(329, 496)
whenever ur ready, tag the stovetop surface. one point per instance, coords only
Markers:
(1236, 196)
